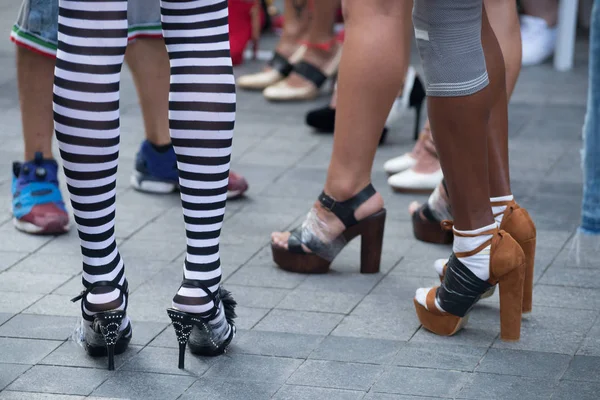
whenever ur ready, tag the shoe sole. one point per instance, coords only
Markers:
(158, 187)
(138, 182)
(235, 194)
(411, 190)
(50, 229)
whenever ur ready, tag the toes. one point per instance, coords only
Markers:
(439, 265)
(413, 207)
(280, 239)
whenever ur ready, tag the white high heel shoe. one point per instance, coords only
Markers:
(410, 181)
(279, 69)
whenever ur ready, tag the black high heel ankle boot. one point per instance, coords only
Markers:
(196, 331)
(104, 336)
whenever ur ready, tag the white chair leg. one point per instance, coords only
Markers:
(565, 41)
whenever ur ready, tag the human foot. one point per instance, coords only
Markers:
(319, 63)
(279, 67)
(330, 224)
(481, 259)
(424, 175)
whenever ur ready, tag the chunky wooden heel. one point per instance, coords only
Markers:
(511, 303)
(371, 243)
(318, 260)
(529, 251)
(518, 223)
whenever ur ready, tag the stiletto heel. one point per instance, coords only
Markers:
(104, 336)
(417, 120)
(109, 324)
(183, 328)
(371, 244)
(417, 97)
(195, 330)
(322, 253)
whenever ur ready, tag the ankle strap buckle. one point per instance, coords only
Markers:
(327, 202)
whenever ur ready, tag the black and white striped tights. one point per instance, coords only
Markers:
(92, 40)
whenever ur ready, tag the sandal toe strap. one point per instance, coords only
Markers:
(426, 212)
(281, 64)
(295, 243)
(310, 73)
(461, 289)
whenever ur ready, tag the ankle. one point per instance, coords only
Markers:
(288, 46)
(499, 205)
(472, 248)
(342, 189)
(30, 155)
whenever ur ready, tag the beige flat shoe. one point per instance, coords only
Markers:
(279, 68)
(282, 91)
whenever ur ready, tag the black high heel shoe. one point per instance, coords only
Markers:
(323, 120)
(413, 96)
(104, 336)
(197, 332)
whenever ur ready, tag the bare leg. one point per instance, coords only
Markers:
(503, 18)
(460, 127)
(296, 17)
(149, 64)
(360, 119)
(320, 31)
(35, 76)
(499, 174)
(504, 21)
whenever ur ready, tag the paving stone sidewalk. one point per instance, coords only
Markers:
(337, 336)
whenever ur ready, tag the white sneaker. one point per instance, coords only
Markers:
(410, 181)
(539, 40)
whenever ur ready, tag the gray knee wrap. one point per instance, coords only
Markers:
(448, 34)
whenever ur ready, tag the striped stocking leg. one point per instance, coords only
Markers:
(92, 37)
(202, 114)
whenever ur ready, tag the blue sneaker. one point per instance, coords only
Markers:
(37, 204)
(155, 172)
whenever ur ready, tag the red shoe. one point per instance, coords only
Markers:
(237, 186)
(245, 22)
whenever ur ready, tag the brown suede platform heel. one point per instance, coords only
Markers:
(461, 289)
(322, 252)
(517, 222)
